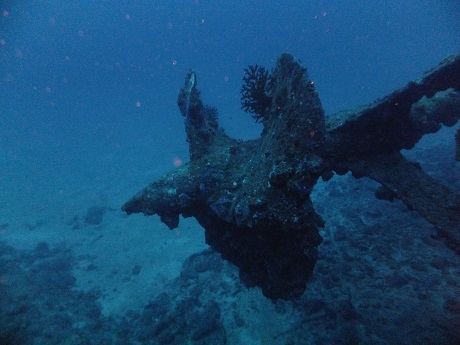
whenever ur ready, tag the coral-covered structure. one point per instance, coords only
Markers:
(253, 197)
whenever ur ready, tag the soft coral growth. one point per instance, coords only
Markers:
(253, 97)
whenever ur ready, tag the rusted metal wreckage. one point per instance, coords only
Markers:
(253, 197)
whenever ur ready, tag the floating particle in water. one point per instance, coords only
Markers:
(177, 162)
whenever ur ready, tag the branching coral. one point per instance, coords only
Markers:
(212, 116)
(253, 97)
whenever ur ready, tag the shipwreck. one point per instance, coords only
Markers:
(253, 197)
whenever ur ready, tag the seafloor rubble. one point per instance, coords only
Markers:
(253, 197)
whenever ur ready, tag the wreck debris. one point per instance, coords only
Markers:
(253, 197)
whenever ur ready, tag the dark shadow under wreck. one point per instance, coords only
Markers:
(253, 197)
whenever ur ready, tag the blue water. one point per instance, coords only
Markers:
(88, 117)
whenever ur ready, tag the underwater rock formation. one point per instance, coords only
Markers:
(253, 197)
